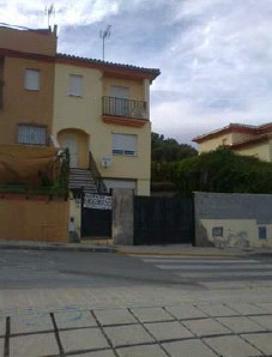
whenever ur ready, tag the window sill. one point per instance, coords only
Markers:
(39, 145)
(124, 155)
(75, 96)
(32, 90)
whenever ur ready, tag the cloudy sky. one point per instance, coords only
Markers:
(215, 55)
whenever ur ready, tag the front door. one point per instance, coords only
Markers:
(71, 144)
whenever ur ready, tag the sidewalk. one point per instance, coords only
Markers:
(188, 250)
(106, 246)
(208, 330)
(95, 246)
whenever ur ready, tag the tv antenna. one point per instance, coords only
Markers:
(49, 12)
(104, 35)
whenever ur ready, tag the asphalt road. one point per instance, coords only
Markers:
(45, 269)
(47, 280)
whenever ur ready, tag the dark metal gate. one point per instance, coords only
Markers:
(96, 216)
(163, 220)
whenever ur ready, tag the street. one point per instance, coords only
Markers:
(95, 304)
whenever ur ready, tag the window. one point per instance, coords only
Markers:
(75, 85)
(217, 231)
(124, 144)
(32, 79)
(31, 135)
(119, 92)
(262, 232)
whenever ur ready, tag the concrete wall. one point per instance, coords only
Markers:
(232, 220)
(85, 113)
(123, 216)
(34, 219)
(75, 213)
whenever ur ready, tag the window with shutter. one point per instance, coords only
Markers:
(124, 144)
(31, 135)
(75, 85)
(32, 79)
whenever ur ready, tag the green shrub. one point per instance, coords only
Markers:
(223, 171)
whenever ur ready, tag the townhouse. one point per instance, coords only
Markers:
(100, 111)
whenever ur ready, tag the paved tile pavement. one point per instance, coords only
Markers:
(188, 348)
(180, 330)
(261, 341)
(75, 318)
(230, 346)
(114, 317)
(33, 345)
(139, 351)
(82, 339)
(128, 335)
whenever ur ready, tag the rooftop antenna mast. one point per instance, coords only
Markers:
(50, 12)
(104, 35)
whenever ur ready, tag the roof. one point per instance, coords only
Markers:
(235, 128)
(142, 72)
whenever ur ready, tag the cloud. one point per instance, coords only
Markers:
(215, 55)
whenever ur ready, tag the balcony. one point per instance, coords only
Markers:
(124, 111)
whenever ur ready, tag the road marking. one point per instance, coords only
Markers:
(215, 267)
(206, 261)
(224, 273)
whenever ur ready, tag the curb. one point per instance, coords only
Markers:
(182, 254)
(60, 248)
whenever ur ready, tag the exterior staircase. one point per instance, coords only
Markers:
(82, 178)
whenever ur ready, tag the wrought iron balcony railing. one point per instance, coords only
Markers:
(124, 108)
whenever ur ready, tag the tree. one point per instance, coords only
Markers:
(169, 150)
(165, 153)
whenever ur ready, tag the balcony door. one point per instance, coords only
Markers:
(119, 104)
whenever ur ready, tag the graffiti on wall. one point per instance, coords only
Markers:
(232, 239)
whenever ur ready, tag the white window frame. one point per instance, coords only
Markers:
(75, 90)
(32, 79)
(26, 134)
(126, 148)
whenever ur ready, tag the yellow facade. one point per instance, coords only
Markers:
(83, 117)
(213, 144)
(136, 88)
(261, 150)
